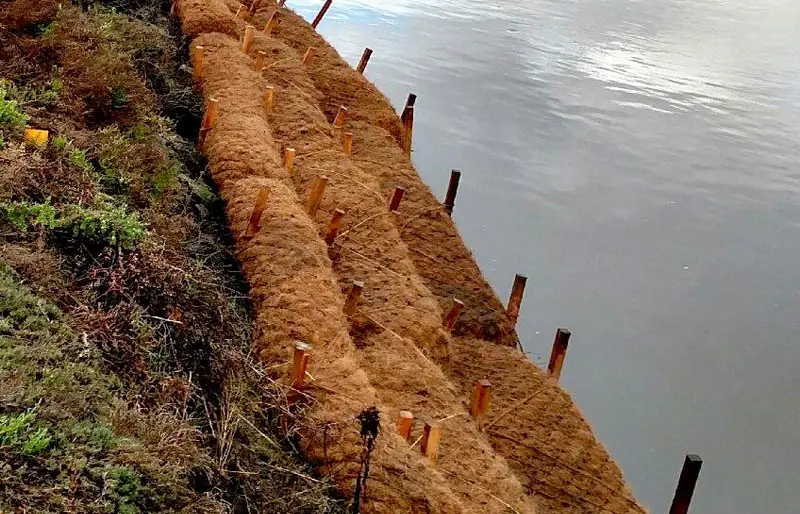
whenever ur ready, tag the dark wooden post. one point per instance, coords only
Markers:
(334, 226)
(559, 352)
(351, 304)
(397, 197)
(452, 191)
(452, 316)
(362, 64)
(431, 436)
(686, 484)
(321, 14)
(515, 300)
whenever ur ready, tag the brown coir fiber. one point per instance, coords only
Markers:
(399, 324)
(557, 451)
(205, 16)
(443, 261)
(296, 298)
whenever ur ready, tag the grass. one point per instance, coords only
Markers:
(126, 380)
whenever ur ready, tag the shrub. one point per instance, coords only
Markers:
(22, 215)
(77, 159)
(11, 117)
(17, 433)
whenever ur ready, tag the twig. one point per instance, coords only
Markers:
(415, 442)
(262, 434)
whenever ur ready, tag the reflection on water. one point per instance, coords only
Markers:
(639, 161)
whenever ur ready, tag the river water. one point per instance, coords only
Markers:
(639, 161)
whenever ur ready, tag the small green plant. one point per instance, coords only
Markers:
(22, 215)
(125, 488)
(78, 159)
(59, 143)
(37, 442)
(106, 223)
(17, 433)
(11, 117)
(119, 98)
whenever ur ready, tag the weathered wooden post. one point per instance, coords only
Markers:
(210, 116)
(241, 13)
(452, 191)
(408, 130)
(404, 423)
(351, 303)
(197, 69)
(288, 159)
(321, 14)
(338, 121)
(479, 403)
(258, 209)
(431, 436)
(397, 197)
(559, 352)
(315, 196)
(261, 58)
(347, 143)
(247, 39)
(333, 226)
(300, 363)
(308, 55)
(686, 484)
(362, 64)
(254, 7)
(515, 300)
(269, 98)
(271, 23)
(452, 316)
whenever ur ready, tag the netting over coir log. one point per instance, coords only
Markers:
(273, 262)
(399, 324)
(443, 260)
(450, 270)
(297, 298)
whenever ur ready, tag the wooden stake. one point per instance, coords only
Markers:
(347, 143)
(247, 39)
(411, 101)
(299, 363)
(452, 316)
(271, 23)
(408, 130)
(351, 303)
(333, 226)
(198, 62)
(559, 352)
(315, 196)
(254, 7)
(397, 197)
(431, 436)
(321, 14)
(261, 58)
(240, 14)
(269, 99)
(338, 121)
(686, 484)
(452, 191)
(308, 55)
(288, 159)
(210, 116)
(479, 404)
(515, 300)
(255, 217)
(362, 64)
(404, 423)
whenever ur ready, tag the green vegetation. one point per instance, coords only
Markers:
(127, 381)
(105, 223)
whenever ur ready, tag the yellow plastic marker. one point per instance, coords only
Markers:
(37, 138)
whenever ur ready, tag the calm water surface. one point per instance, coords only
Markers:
(639, 161)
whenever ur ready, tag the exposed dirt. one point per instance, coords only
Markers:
(413, 264)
